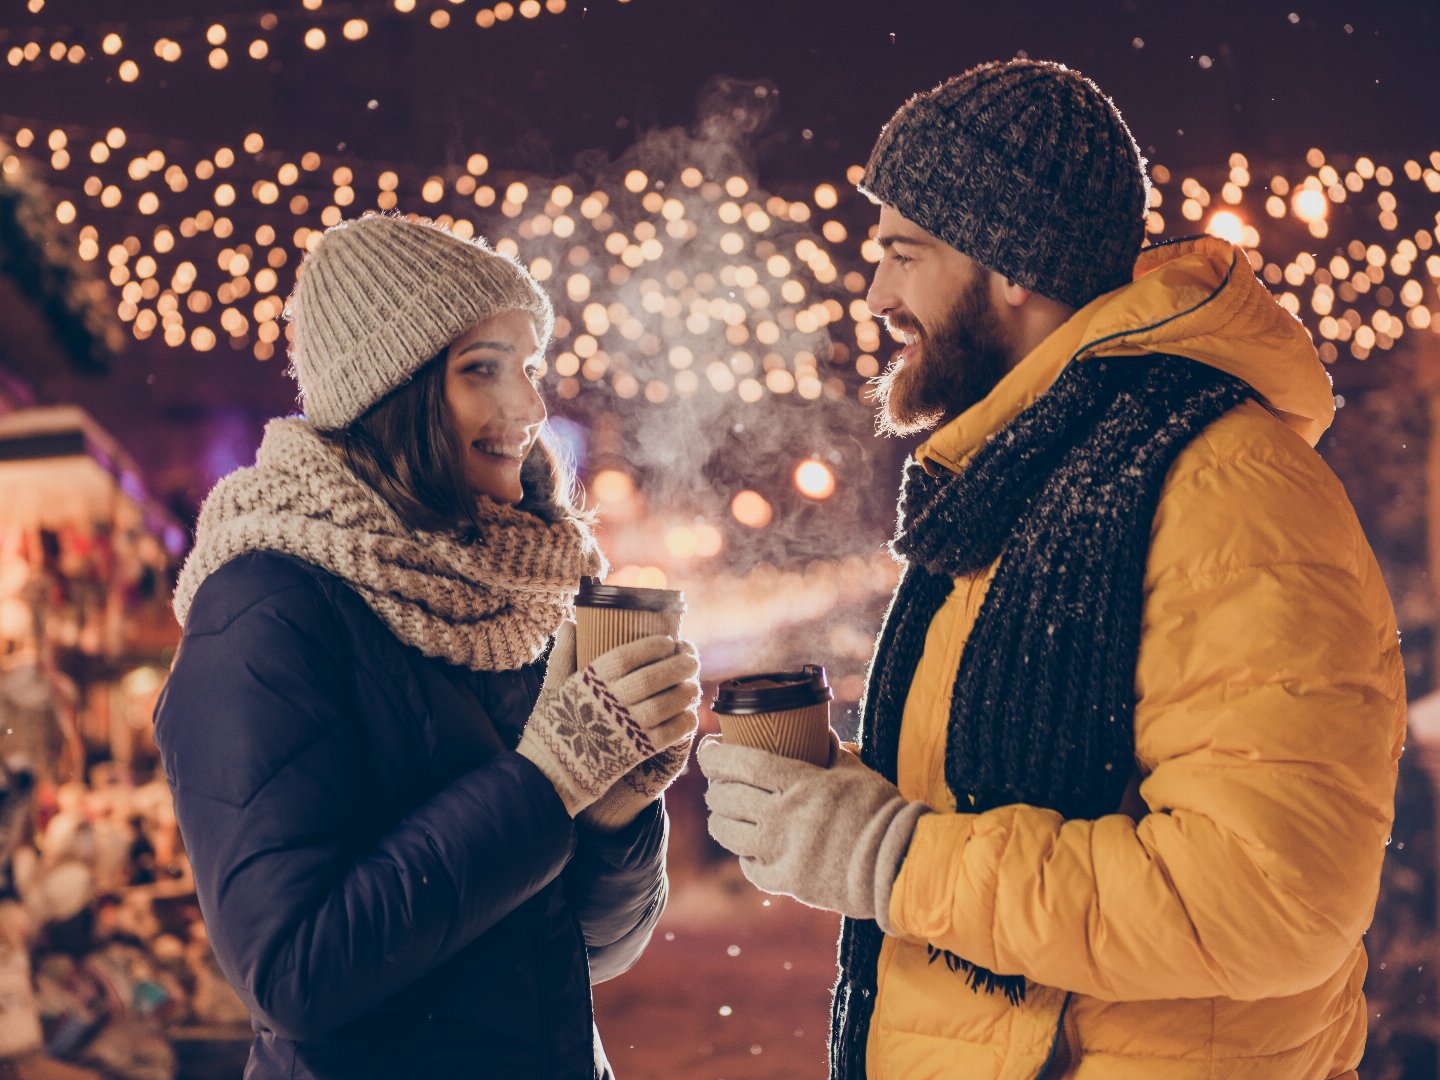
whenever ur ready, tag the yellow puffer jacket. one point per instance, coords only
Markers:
(1215, 931)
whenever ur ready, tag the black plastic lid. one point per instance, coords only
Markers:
(594, 594)
(774, 691)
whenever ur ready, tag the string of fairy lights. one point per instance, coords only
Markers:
(129, 48)
(629, 256)
(1366, 273)
(670, 282)
(734, 288)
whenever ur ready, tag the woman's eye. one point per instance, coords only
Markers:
(483, 368)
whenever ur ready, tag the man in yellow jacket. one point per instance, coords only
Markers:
(1130, 733)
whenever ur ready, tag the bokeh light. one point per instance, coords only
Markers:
(1227, 225)
(814, 479)
(752, 509)
(1310, 204)
(612, 486)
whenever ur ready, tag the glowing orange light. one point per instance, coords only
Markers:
(680, 542)
(612, 486)
(708, 540)
(1226, 225)
(751, 508)
(1310, 205)
(814, 479)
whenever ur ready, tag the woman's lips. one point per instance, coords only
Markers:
(500, 451)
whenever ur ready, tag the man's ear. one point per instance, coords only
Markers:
(1013, 294)
(1006, 293)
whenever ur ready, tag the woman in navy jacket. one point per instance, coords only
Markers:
(414, 857)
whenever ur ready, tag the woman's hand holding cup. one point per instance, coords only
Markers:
(591, 727)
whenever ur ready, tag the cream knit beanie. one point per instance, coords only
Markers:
(379, 296)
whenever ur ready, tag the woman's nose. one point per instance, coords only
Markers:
(523, 402)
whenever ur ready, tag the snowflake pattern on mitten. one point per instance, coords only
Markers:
(583, 739)
(637, 789)
(654, 775)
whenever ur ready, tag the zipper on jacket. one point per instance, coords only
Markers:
(1062, 1045)
(1072, 1037)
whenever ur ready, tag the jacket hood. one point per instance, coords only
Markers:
(1197, 298)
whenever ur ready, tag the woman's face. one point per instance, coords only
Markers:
(493, 402)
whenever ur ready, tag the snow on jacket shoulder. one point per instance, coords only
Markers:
(1217, 928)
(385, 882)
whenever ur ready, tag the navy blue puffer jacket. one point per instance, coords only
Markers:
(393, 891)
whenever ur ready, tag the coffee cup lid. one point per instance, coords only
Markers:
(773, 691)
(594, 594)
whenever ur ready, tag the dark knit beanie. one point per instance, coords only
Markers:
(1026, 167)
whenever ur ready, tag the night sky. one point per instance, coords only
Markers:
(1193, 79)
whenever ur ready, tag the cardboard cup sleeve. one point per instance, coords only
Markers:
(803, 733)
(600, 629)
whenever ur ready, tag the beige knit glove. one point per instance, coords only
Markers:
(590, 727)
(831, 838)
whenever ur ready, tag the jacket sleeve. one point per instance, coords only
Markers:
(270, 779)
(618, 887)
(1269, 722)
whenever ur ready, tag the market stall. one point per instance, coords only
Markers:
(103, 962)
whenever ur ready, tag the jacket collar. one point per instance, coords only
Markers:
(1197, 298)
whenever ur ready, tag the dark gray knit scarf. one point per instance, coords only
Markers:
(1041, 714)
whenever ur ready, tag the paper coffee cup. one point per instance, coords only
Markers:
(785, 712)
(611, 615)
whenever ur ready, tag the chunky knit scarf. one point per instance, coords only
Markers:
(490, 605)
(1041, 712)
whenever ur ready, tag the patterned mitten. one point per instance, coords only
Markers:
(632, 793)
(643, 784)
(591, 727)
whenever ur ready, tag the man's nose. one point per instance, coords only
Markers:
(881, 299)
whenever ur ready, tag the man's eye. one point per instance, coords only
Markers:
(895, 256)
(533, 373)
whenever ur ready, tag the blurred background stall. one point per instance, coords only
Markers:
(680, 177)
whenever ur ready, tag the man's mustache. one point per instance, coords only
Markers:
(904, 324)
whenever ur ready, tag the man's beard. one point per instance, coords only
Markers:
(950, 368)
